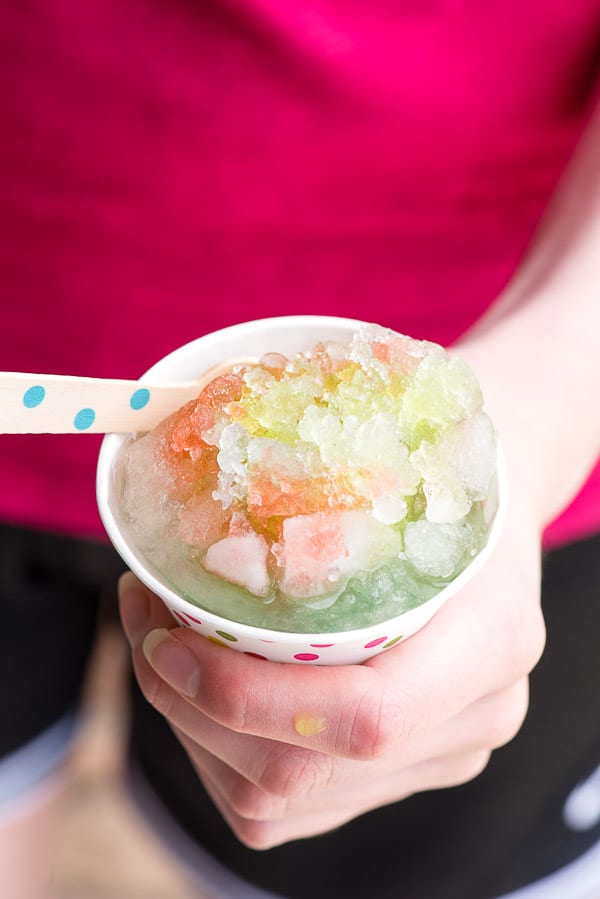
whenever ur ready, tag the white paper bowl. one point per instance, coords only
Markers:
(287, 335)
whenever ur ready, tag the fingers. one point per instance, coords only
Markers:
(356, 712)
(293, 776)
(268, 771)
(262, 821)
(272, 791)
(275, 766)
(329, 709)
(289, 751)
(338, 711)
(261, 834)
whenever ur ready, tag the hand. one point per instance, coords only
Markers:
(428, 712)
(288, 751)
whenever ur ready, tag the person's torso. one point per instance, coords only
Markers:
(169, 169)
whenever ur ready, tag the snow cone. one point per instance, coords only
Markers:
(316, 503)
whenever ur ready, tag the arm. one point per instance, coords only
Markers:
(536, 351)
(288, 751)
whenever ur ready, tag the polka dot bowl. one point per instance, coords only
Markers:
(287, 335)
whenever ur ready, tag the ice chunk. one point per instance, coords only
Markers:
(446, 498)
(446, 503)
(148, 488)
(369, 453)
(389, 508)
(437, 550)
(318, 552)
(470, 448)
(232, 479)
(242, 559)
(458, 469)
(444, 390)
(202, 521)
(233, 448)
(375, 348)
(311, 554)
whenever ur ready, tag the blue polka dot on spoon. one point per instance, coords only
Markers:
(140, 398)
(34, 396)
(84, 419)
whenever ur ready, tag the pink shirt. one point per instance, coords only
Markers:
(170, 168)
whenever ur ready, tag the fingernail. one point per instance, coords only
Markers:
(172, 661)
(135, 611)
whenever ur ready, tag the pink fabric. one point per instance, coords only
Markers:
(168, 168)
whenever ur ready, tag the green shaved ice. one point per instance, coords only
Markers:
(443, 392)
(276, 414)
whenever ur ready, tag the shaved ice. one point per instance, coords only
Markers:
(321, 493)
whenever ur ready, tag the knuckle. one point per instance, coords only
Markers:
(376, 728)
(469, 766)
(292, 772)
(258, 835)
(451, 770)
(251, 803)
(528, 638)
(230, 706)
(509, 715)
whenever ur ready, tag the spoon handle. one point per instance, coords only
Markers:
(62, 404)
